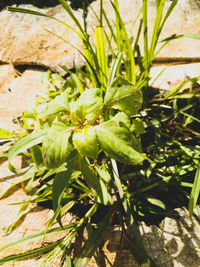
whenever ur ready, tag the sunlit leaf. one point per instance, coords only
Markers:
(138, 126)
(85, 141)
(90, 175)
(58, 104)
(4, 134)
(157, 202)
(124, 96)
(87, 106)
(114, 142)
(123, 119)
(57, 145)
(103, 172)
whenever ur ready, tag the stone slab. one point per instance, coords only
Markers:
(23, 39)
(18, 95)
(173, 75)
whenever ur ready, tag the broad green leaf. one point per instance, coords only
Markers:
(60, 103)
(195, 191)
(114, 142)
(60, 183)
(28, 141)
(124, 96)
(57, 145)
(77, 113)
(87, 106)
(122, 118)
(85, 141)
(36, 154)
(138, 126)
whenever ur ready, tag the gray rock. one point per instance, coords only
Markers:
(176, 242)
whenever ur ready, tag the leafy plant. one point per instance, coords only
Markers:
(84, 145)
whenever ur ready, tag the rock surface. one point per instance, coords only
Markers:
(7, 74)
(19, 94)
(173, 75)
(176, 242)
(24, 41)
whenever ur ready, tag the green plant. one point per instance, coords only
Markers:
(84, 142)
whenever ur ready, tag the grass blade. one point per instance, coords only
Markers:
(156, 30)
(29, 253)
(125, 46)
(69, 11)
(38, 235)
(28, 141)
(115, 68)
(192, 36)
(195, 192)
(145, 36)
(101, 55)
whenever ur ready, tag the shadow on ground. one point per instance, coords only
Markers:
(75, 4)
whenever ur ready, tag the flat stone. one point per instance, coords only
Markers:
(172, 76)
(25, 41)
(176, 242)
(21, 95)
(7, 74)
